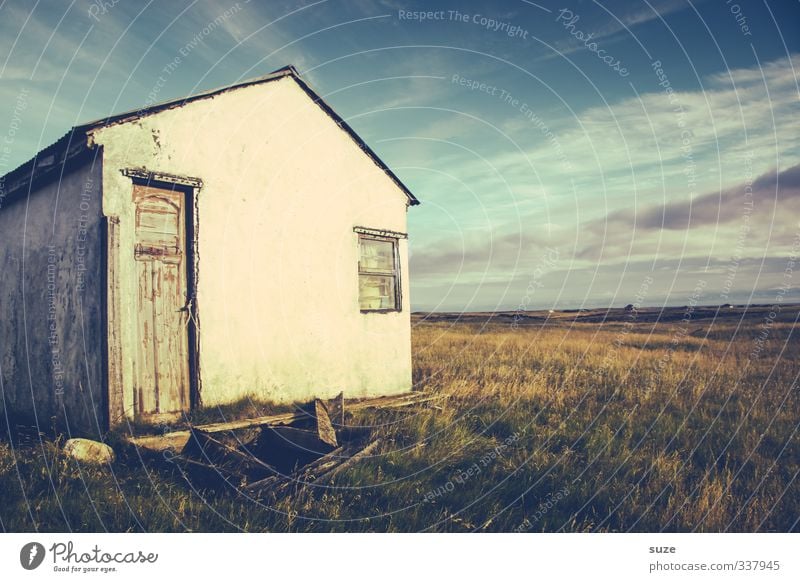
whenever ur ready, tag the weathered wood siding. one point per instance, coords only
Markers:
(51, 302)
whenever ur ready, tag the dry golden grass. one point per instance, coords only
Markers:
(561, 426)
(675, 426)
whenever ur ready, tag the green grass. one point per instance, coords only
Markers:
(566, 427)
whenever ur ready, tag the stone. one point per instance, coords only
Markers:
(89, 451)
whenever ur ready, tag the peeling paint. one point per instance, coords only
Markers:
(154, 134)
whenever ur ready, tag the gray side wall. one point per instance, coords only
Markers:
(51, 303)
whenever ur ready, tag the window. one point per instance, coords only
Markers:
(378, 274)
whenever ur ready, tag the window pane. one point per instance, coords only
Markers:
(376, 292)
(377, 255)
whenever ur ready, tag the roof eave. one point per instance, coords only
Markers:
(47, 161)
(77, 137)
(412, 200)
(126, 116)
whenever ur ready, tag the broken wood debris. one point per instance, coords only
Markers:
(325, 430)
(213, 450)
(176, 440)
(272, 459)
(316, 474)
(336, 410)
(348, 462)
(318, 420)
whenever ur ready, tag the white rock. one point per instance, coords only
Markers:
(89, 451)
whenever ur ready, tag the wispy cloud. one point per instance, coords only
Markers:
(609, 27)
(778, 188)
(638, 192)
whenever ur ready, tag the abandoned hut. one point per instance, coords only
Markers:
(243, 242)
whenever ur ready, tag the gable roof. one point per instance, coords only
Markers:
(75, 142)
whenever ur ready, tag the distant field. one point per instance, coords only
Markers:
(583, 421)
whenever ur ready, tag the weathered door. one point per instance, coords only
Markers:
(162, 364)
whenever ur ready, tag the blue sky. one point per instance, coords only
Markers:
(567, 154)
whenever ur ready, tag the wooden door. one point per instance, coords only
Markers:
(162, 364)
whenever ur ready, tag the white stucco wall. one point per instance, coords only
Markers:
(283, 187)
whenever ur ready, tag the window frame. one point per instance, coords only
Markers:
(398, 295)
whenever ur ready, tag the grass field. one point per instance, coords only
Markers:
(565, 422)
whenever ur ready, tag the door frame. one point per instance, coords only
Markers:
(189, 187)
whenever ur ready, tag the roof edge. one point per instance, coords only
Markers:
(59, 154)
(287, 71)
(77, 138)
(412, 200)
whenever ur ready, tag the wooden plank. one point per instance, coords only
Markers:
(284, 418)
(280, 483)
(346, 464)
(263, 485)
(336, 409)
(162, 378)
(173, 358)
(324, 464)
(394, 401)
(325, 430)
(116, 397)
(172, 441)
(361, 404)
(145, 363)
(177, 439)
